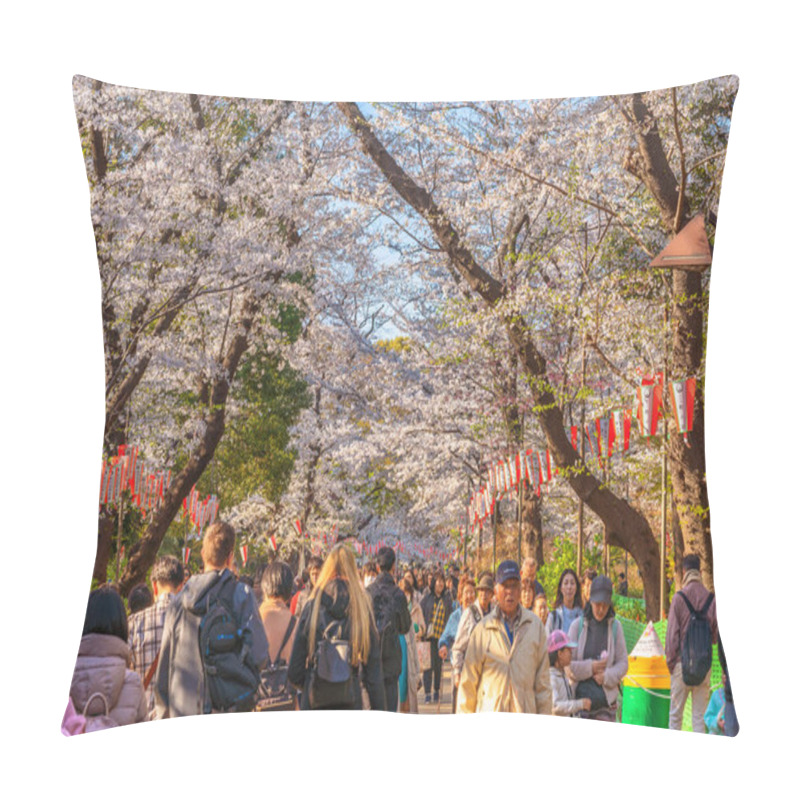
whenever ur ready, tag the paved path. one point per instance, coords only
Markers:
(445, 696)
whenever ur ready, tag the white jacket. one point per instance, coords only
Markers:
(564, 702)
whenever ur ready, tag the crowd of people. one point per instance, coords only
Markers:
(341, 637)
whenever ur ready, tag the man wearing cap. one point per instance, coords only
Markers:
(506, 666)
(469, 619)
(601, 656)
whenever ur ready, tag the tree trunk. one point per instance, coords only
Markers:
(687, 463)
(532, 531)
(144, 552)
(106, 525)
(627, 528)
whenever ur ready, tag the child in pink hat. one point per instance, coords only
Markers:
(565, 704)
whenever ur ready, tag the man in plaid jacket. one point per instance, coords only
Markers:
(145, 628)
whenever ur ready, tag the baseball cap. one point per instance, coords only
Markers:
(601, 590)
(506, 571)
(557, 640)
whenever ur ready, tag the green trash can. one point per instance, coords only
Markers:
(645, 692)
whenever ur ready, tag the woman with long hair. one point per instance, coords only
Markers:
(569, 603)
(337, 620)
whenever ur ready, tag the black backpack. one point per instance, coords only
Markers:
(696, 651)
(275, 693)
(332, 684)
(231, 675)
(391, 653)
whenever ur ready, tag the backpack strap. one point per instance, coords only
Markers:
(289, 629)
(150, 672)
(707, 604)
(475, 613)
(691, 608)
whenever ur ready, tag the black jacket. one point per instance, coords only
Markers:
(334, 603)
(427, 608)
(389, 604)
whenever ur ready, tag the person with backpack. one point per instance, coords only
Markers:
(275, 693)
(569, 603)
(337, 640)
(103, 690)
(393, 620)
(691, 632)
(213, 646)
(146, 627)
(600, 660)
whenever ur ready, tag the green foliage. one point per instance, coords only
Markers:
(565, 555)
(255, 454)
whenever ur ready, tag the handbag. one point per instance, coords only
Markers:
(424, 654)
(594, 691)
(275, 693)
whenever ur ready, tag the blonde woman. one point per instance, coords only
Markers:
(337, 623)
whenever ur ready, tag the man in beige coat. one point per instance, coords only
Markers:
(506, 666)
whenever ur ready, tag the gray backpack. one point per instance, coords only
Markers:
(332, 684)
(231, 674)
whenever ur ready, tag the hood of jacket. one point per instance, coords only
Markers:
(101, 667)
(194, 594)
(335, 598)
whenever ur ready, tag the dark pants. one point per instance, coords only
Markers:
(392, 692)
(731, 720)
(435, 671)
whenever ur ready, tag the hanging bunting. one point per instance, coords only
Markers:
(544, 466)
(621, 423)
(274, 542)
(243, 550)
(650, 401)
(648, 410)
(573, 437)
(605, 440)
(186, 552)
(682, 397)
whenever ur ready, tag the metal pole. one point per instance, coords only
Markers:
(519, 521)
(119, 536)
(606, 554)
(663, 560)
(494, 537)
(627, 500)
(663, 564)
(583, 453)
